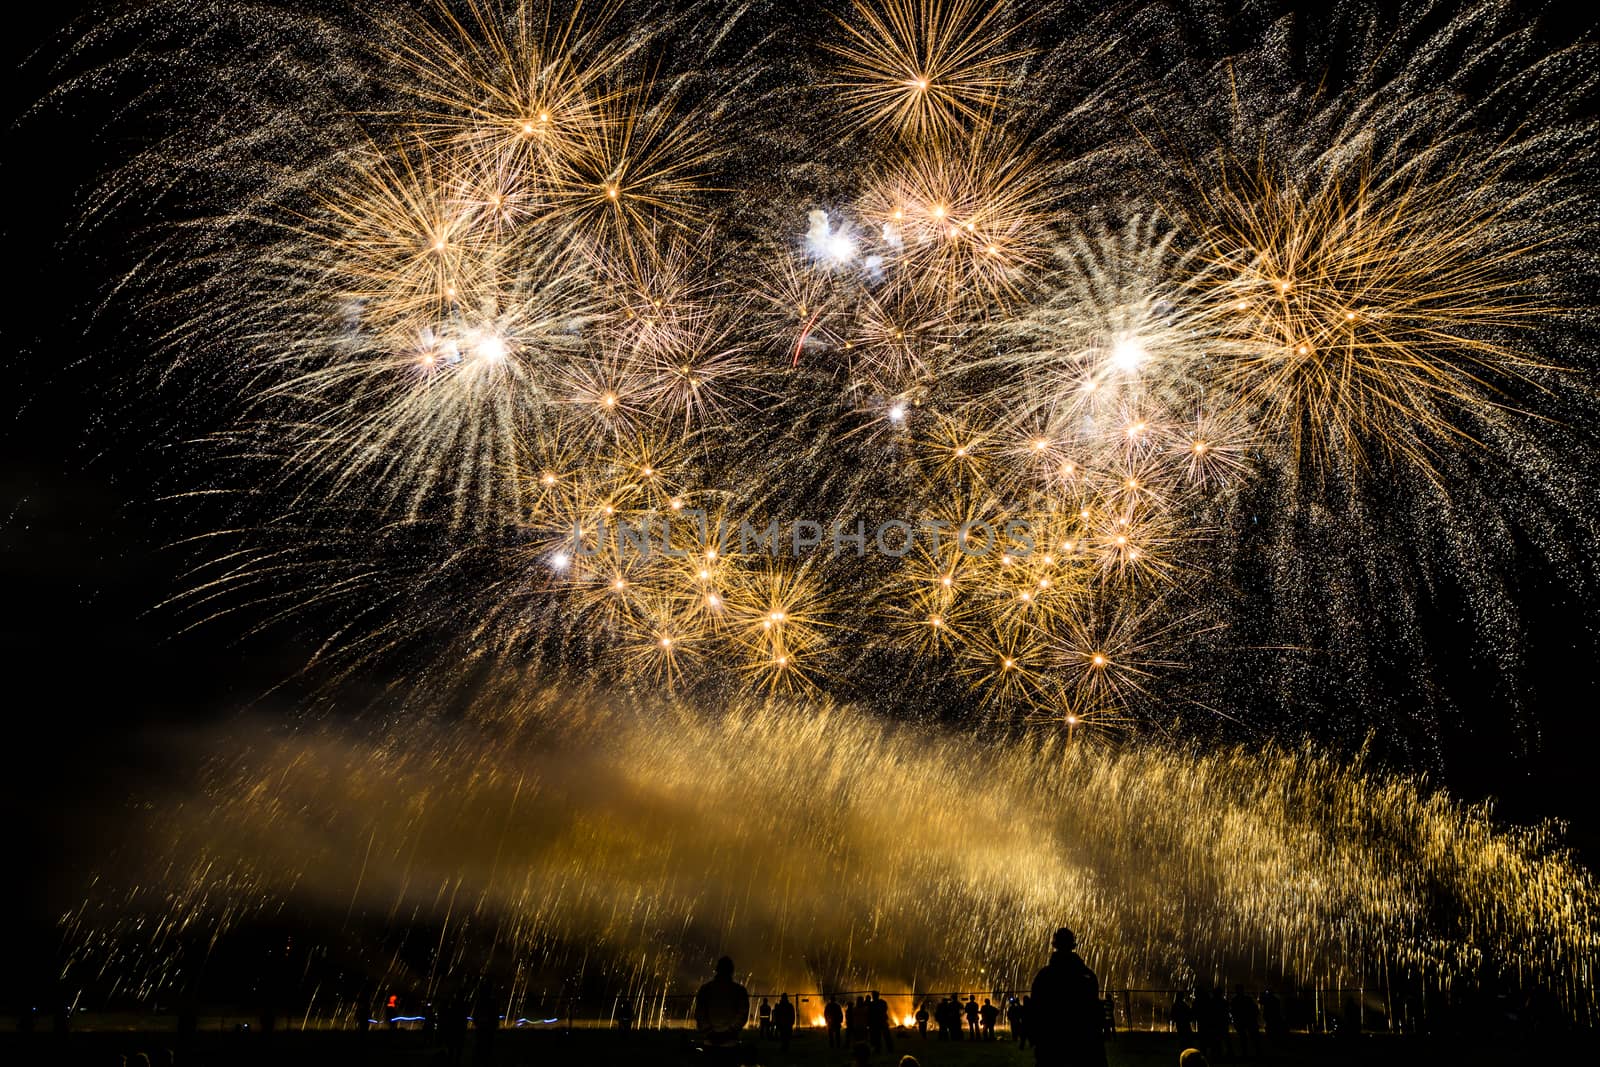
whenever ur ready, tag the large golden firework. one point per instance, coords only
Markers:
(524, 308)
(925, 68)
(1367, 306)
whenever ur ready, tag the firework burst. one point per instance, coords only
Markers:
(545, 341)
(924, 68)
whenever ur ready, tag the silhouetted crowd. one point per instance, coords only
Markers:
(1062, 1016)
(1212, 1013)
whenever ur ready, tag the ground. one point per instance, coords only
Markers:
(590, 1048)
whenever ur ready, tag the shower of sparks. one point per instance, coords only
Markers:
(567, 828)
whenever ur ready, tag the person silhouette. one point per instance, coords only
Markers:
(1205, 1023)
(453, 1029)
(1246, 1020)
(1182, 1015)
(721, 1009)
(1211, 1009)
(783, 1021)
(878, 1023)
(485, 1024)
(970, 1010)
(1065, 1018)
(922, 1020)
(1350, 1021)
(1272, 1015)
(988, 1015)
(833, 1018)
(764, 1017)
(1019, 1021)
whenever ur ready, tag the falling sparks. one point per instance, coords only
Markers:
(1293, 865)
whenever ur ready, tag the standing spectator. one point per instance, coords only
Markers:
(1181, 1016)
(764, 1019)
(1064, 1016)
(971, 1012)
(485, 1024)
(1246, 1020)
(1211, 1010)
(1272, 1016)
(1204, 1022)
(1019, 1021)
(721, 1009)
(878, 1023)
(453, 1028)
(783, 1021)
(922, 1020)
(1297, 1010)
(988, 1014)
(833, 1018)
(1350, 1021)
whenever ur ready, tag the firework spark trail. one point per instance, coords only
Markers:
(588, 826)
(522, 262)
